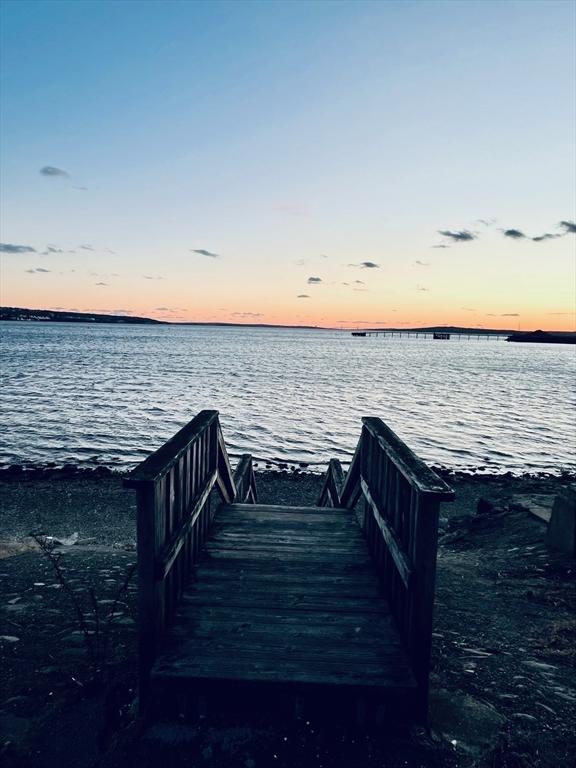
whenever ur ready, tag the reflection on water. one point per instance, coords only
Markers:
(112, 393)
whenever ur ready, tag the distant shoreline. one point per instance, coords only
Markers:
(21, 314)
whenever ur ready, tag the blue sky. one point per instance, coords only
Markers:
(275, 133)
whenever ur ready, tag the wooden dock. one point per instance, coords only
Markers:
(293, 608)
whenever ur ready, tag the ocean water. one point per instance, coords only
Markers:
(110, 394)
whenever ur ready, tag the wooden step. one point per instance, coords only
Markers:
(284, 599)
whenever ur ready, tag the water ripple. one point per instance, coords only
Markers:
(112, 394)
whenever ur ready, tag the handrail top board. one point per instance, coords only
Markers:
(163, 459)
(424, 479)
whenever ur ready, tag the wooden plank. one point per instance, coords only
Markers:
(248, 565)
(333, 484)
(225, 478)
(302, 602)
(419, 641)
(283, 670)
(214, 572)
(280, 616)
(161, 461)
(277, 600)
(312, 588)
(166, 560)
(295, 555)
(229, 538)
(411, 466)
(395, 548)
(244, 480)
(371, 650)
(147, 629)
(325, 512)
(351, 488)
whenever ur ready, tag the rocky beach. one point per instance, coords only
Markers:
(503, 679)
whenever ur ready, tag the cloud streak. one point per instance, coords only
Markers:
(459, 236)
(314, 280)
(204, 252)
(545, 236)
(514, 234)
(11, 248)
(52, 172)
(366, 265)
(303, 296)
(569, 227)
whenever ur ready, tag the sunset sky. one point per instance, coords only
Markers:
(325, 163)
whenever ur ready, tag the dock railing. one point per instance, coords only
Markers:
(173, 488)
(401, 496)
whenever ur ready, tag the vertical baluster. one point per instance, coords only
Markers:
(160, 541)
(387, 507)
(193, 493)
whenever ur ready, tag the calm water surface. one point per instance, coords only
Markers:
(81, 393)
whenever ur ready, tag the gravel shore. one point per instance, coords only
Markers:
(503, 680)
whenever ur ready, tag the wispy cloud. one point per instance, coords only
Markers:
(51, 171)
(359, 282)
(37, 269)
(419, 263)
(510, 314)
(204, 252)
(11, 248)
(301, 262)
(546, 236)
(422, 288)
(247, 314)
(486, 222)
(303, 296)
(152, 277)
(51, 249)
(366, 265)
(514, 234)
(314, 280)
(100, 283)
(568, 226)
(87, 247)
(563, 314)
(441, 245)
(469, 309)
(459, 236)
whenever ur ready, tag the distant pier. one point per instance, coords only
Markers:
(437, 335)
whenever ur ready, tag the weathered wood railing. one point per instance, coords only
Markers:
(332, 490)
(245, 481)
(400, 520)
(173, 488)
